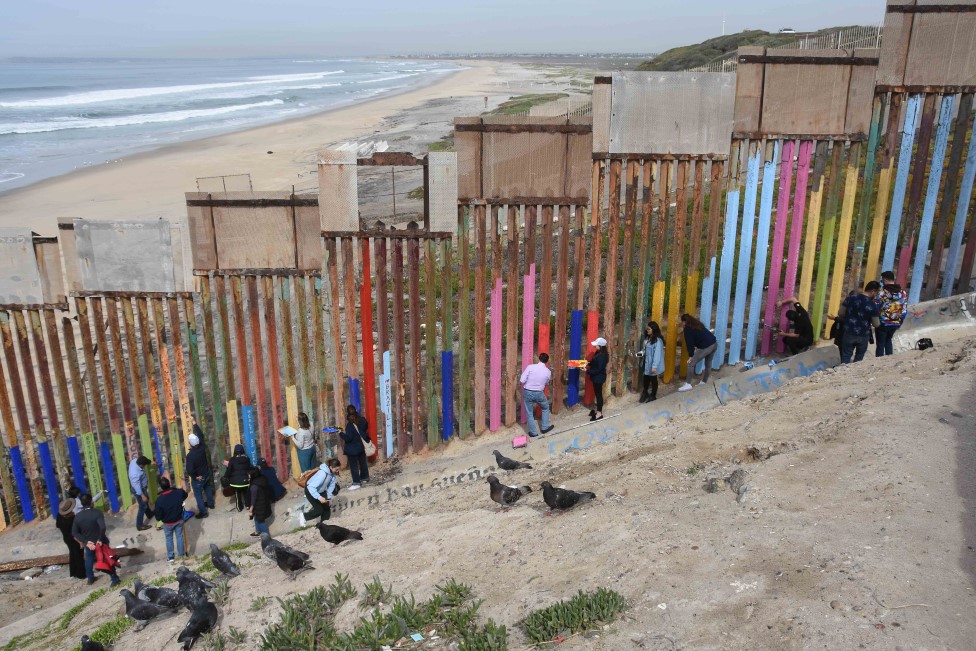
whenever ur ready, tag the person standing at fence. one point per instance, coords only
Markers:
(320, 489)
(859, 313)
(596, 370)
(260, 502)
(892, 302)
(88, 531)
(169, 511)
(535, 378)
(357, 429)
(701, 344)
(305, 443)
(139, 481)
(651, 359)
(64, 523)
(200, 473)
(277, 489)
(236, 476)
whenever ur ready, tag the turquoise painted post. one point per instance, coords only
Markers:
(931, 198)
(386, 402)
(762, 251)
(962, 209)
(745, 257)
(901, 181)
(725, 277)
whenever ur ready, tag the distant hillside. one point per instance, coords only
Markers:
(690, 56)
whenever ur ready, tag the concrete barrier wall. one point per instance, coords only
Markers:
(763, 379)
(943, 319)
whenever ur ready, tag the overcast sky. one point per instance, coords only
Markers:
(237, 28)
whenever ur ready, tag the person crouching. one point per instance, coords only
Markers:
(320, 489)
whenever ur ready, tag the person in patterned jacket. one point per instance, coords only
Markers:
(892, 302)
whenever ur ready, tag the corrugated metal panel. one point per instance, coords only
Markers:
(69, 253)
(20, 278)
(203, 248)
(861, 95)
(309, 238)
(255, 238)
(748, 92)
(672, 112)
(48, 256)
(894, 46)
(942, 51)
(131, 256)
(805, 99)
(338, 199)
(442, 191)
(601, 117)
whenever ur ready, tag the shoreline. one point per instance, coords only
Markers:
(153, 182)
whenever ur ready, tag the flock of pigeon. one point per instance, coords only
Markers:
(557, 499)
(145, 603)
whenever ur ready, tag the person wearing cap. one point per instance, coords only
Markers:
(139, 481)
(596, 369)
(200, 474)
(535, 378)
(701, 344)
(64, 522)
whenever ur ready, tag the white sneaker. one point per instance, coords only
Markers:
(685, 387)
(354, 487)
(702, 383)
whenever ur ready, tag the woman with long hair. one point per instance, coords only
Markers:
(596, 369)
(238, 468)
(357, 431)
(652, 354)
(305, 443)
(64, 522)
(701, 345)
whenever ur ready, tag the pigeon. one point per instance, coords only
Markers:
(336, 534)
(269, 546)
(165, 597)
(562, 498)
(141, 590)
(509, 464)
(140, 611)
(184, 573)
(193, 587)
(221, 560)
(291, 564)
(88, 644)
(506, 495)
(203, 619)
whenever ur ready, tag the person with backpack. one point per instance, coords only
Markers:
(651, 359)
(236, 476)
(320, 487)
(169, 511)
(260, 509)
(200, 474)
(357, 431)
(892, 302)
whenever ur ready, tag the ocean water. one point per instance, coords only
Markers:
(58, 115)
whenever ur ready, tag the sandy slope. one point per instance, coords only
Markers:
(857, 533)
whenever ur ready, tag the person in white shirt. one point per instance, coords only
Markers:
(534, 380)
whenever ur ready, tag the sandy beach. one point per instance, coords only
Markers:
(153, 184)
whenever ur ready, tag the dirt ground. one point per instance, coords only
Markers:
(857, 531)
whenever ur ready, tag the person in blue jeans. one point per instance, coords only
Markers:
(260, 510)
(860, 313)
(169, 511)
(89, 530)
(534, 380)
(139, 481)
(357, 430)
(200, 473)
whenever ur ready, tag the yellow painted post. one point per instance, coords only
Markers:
(813, 224)
(291, 405)
(233, 424)
(837, 289)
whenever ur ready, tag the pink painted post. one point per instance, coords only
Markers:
(495, 363)
(903, 260)
(528, 323)
(796, 226)
(779, 240)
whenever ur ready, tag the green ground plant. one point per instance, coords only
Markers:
(585, 611)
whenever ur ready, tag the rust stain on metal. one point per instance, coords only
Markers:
(610, 284)
(338, 393)
(257, 353)
(274, 375)
(220, 290)
(480, 320)
(512, 320)
(562, 296)
(416, 367)
(240, 340)
(91, 368)
(399, 381)
(40, 499)
(146, 334)
(596, 226)
(623, 329)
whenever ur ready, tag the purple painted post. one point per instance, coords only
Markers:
(779, 240)
(495, 363)
(796, 226)
(528, 323)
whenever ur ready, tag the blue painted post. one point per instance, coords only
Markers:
(725, 277)
(47, 468)
(250, 433)
(762, 250)
(157, 447)
(901, 181)
(113, 493)
(386, 402)
(575, 352)
(354, 393)
(962, 208)
(23, 490)
(931, 198)
(447, 393)
(745, 257)
(78, 470)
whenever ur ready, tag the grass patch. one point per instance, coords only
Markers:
(258, 603)
(444, 144)
(307, 620)
(237, 546)
(416, 193)
(205, 566)
(583, 612)
(110, 631)
(522, 103)
(376, 594)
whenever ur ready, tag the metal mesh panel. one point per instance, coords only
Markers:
(860, 95)
(309, 238)
(131, 256)
(894, 46)
(338, 201)
(805, 99)
(748, 92)
(942, 50)
(442, 191)
(49, 265)
(203, 250)
(601, 117)
(468, 146)
(20, 279)
(671, 112)
(254, 238)
(524, 164)
(579, 166)
(69, 253)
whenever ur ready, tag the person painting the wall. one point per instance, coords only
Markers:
(892, 302)
(320, 489)
(200, 473)
(139, 481)
(701, 345)
(800, 336)
(534, 380)
(596, 370)
(651, 356)
(305, 443)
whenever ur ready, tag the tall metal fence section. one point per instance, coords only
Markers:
(806, 173)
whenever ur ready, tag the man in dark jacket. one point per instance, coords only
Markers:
(89, 530)
(260, 502)
(237, 476)
(200, 474)
(277, 489)
(169, 511)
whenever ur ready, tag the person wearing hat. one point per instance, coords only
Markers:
(200, 474)
(596, 369)
(64, 522)
(139, 481)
